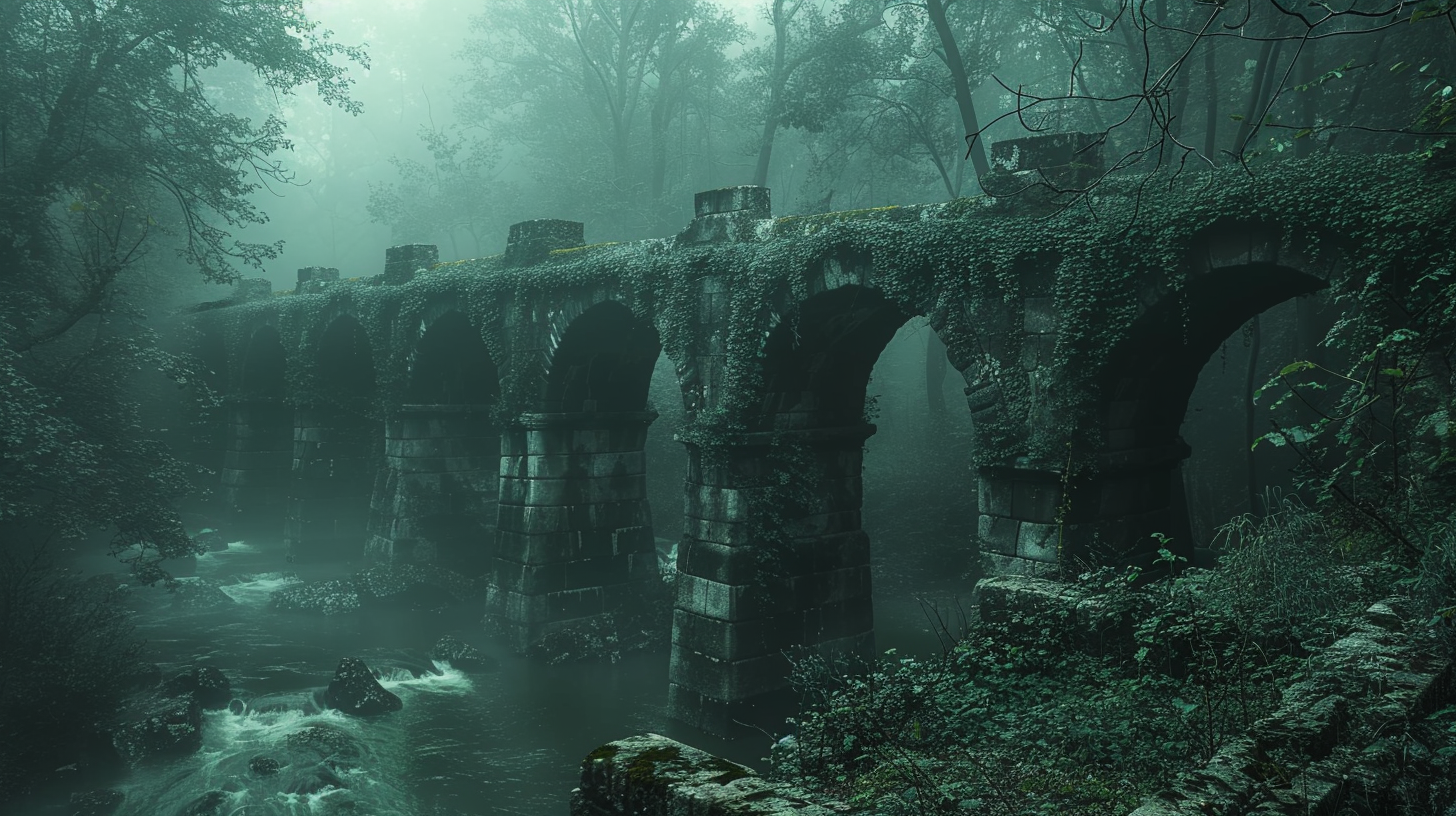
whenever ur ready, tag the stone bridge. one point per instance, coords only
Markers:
(499, 405)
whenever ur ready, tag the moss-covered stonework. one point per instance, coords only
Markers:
(1079, 333)
(651, 774)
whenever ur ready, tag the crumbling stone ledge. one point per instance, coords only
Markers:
(651, 775)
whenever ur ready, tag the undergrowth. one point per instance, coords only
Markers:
(1030, 714)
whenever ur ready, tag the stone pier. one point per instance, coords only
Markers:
(435, 497)
(1040, 521)
(335, 456)
(257, 460)
(752, 586)
(574, 535)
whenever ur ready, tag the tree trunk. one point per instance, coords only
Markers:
(777, 82)
(952, 55)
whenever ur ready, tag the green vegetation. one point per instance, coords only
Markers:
(1030, 713)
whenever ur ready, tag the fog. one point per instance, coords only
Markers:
(214, 494)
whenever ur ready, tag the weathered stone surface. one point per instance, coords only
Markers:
(652, 775)
(264, 766)
(355, 691)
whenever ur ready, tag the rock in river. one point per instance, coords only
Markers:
(461, 655)
(355, 691)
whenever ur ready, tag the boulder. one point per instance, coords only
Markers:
(264, 766)
(209, 685)
(324, 741)
(461, 655)
(210, 540)
(159, 726)
(199, 593)
(413, 586)
(355, 691)
(333, 597)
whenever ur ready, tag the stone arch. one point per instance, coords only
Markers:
(603, 361)
(574, 528)
(346, 368)
(817, 359)
(435, 499)
(258, 455)
(264, 369)
(1234, 271)
(450, 363)
(336, 445)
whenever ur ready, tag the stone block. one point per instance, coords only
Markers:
(994, 496)
(745, 198)
(575, 603)
(634, 539)
(998, 534)
(996, 564)
(401, 262)
(251, 289)
(534, 579)
(1038, 542)
(1036, 499)
(718, 562)
(727, 533)
(596, 572)
(729, 679)
(726, 640)
(533, 241)
(712, 599)
(536, 549)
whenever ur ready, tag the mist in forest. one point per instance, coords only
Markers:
(167, 646)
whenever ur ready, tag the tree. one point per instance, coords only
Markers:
(112, 147)
(817, 56)
(589, 88)
(458, 193)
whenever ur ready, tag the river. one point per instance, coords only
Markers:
(505, 741)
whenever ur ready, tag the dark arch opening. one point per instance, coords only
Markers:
(603, 363)
(346, 363)
(263, 365)
(817, 360)
(452, 365)
(1152, 373)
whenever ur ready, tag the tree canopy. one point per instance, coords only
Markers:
(122, 143)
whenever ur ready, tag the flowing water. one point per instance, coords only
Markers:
(505, 741)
